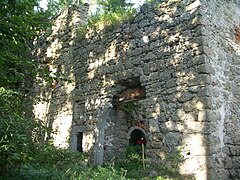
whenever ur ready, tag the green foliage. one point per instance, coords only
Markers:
(113, 18)
(176, 160)
(53, 163)
(15, 136)
(129, 108)
(111, 15)
(23, 152)
(107, 172)
(19, 136)
(56, 6)
(10, 102)
(169, 168)
(131, 162)
(150, 1)
(107, 6)
(19, 23)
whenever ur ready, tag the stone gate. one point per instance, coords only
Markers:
(171, 75)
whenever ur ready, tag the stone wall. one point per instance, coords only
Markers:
(181, 55)
(55, 53)
(220, 21)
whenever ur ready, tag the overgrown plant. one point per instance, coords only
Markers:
(176, 160)
(129, 108)
(16, 144)
(53, 163)
(107, 20)
(131, 162)
(20, 23)
(169, 167)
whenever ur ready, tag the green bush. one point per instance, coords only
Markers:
(107, 21)
(19, 136)
(131, 162)
(53, 163)
(15, 132)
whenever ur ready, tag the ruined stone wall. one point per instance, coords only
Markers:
(55, 53)
(220, 23)
(174, 52)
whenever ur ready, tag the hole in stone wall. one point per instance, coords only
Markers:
(129, 94)
(80, 141)
(133, 91)
(137, 137)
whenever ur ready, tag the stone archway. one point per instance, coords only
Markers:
(136, 136)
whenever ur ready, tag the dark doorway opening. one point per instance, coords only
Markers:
(137, 137)
(80, 141)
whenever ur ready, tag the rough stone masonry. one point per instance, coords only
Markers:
(171, 75)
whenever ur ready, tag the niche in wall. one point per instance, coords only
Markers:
(132, 91)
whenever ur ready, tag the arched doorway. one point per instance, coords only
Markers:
(136, 136)
(126, 113)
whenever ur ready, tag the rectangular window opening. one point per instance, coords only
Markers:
(79, 142)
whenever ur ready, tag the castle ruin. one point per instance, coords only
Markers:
(171, 76)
